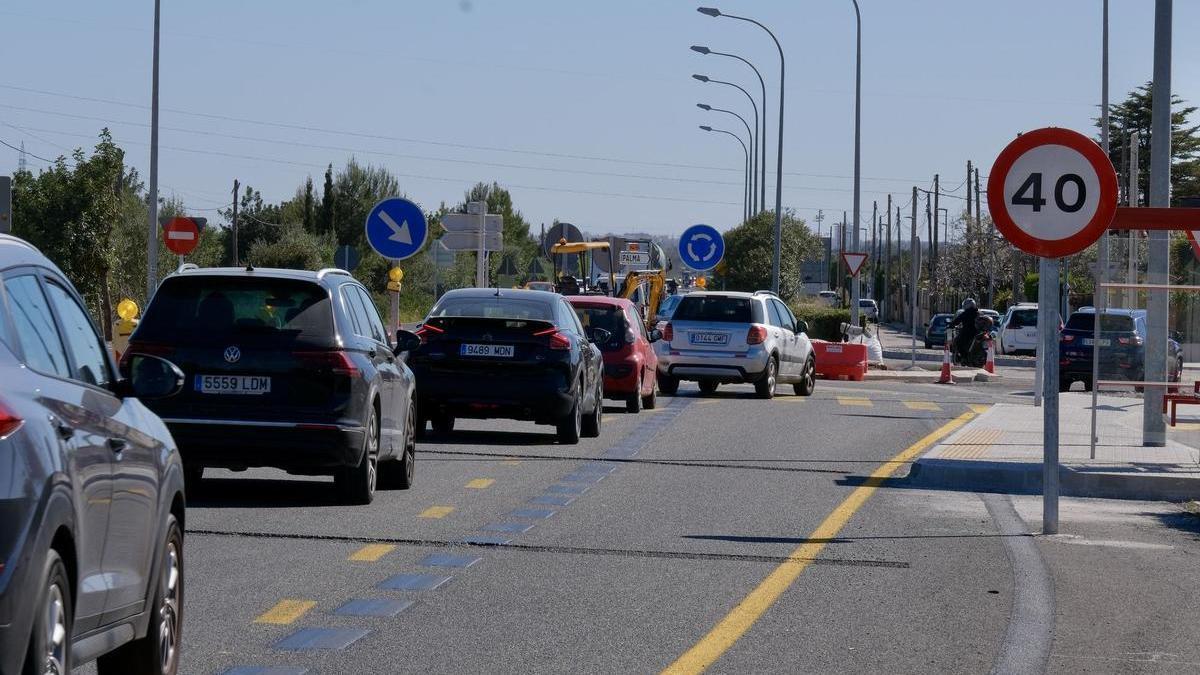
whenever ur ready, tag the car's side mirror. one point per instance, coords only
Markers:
(406, 341)
(151, 377)
(801, 326)
(600, 336)
(655, 335)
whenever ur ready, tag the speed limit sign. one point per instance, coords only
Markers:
(1052, 192)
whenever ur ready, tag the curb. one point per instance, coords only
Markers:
(999, 360)
(1026, 478)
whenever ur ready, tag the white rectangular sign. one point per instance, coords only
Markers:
(634, 258)
(465, 222)
(469, 241)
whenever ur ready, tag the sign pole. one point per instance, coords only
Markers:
(1048, 350)
(394, 311)
(913, 267)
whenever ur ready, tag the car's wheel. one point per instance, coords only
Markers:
(158, 652)
(668, 385)
(50, 642)
(650, 401)
(570, 427)
(633, 402)
(590, 426)
(928, 346)
(357, 483)
(443, 423)
(765, 387)
(707, 386)
(397, 474)
(808, 379)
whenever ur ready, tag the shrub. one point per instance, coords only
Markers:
(824, 323)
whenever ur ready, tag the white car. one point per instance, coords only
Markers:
(1018, 329)
(868, 308)
(830, 298)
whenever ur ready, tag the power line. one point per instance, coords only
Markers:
(10, 145)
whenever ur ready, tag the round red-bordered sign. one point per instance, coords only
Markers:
(1052, 192)
(181, 235)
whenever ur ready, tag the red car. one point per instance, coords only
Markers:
(630, 365)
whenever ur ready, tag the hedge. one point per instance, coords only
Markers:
(824, 323)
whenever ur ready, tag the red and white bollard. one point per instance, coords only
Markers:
(990, 364)
(946, 378)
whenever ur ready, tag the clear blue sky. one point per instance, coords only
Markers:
(446, 93)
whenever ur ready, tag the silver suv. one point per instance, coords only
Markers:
(716, 337)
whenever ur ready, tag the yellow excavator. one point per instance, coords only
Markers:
(654, 280)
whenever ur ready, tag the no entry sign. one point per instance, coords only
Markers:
(1052, 192)
(181, 235)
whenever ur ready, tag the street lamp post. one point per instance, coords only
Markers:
(762, 138)
(714, 12)
(152, 232)
(746, 179)
(704, 106)
(753, 143)
(856, 293)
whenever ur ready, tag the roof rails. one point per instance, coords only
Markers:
(331, 270)
(765, 292)
(187, 267)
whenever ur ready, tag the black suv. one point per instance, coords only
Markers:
(91, 489)
(1123, 334)
(285, 368)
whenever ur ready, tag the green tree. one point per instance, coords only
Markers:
(295, 248)
(328, 200)
(309, 216)
(749, 249)
(358, 188)
(1134, 114)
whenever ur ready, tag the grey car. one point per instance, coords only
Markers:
(91, 488)
(728, 337)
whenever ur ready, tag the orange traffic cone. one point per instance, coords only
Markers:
(945, 378)
(990, 364)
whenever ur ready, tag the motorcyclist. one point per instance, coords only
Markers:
(966, 323)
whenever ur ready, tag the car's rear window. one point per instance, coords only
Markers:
(1023, 318)
(1109, 323)
(720, 308)
(611, 319)
(493, 308)
(940, 320)
(201, 309)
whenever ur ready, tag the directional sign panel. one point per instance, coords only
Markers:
(854, 262)
(442, 256)
(469, 241)
(1052, 192)
(701, 247)
(396, 228)
(464, 222)
(634, 258)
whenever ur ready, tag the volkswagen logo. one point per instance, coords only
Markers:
(232, 354)
(486, 337)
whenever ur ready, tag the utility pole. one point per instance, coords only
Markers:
(820, 217)
(913, 277)
(991, 243)
(152, 232)
(233, 228)
(936, 194)
(930, 231)
(1154, 431)
(969, 192)
(842, 249)
(1135, 201)
(887, 264)
(874, 244)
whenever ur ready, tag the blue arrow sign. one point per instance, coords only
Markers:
(701, 247)
(396, 228)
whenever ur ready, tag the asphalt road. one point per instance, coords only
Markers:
(626, 553)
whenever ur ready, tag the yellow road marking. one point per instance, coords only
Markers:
(512, 461)
(854, 400)
(1180, 426)
(735, 624)
(609, 418)
(979, 407)
(286, 611)
(708, 402)
(436, 511)
(973, 443)
(481, 483)
(371, 552)
(922, 405)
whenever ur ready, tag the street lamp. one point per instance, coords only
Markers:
(152, 232)
(706, 79)
(714, 12)
(857, 148)
(746, 180)
(705, 106)
(762, 138)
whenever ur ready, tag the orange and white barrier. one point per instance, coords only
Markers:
(990, 364)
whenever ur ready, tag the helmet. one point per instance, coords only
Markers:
(969, 303)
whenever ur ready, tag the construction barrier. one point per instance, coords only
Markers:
(840, 360)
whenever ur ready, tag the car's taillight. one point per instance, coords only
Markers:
(557, 339)
(1068, 338)
(1135, 340)
(756, 335)
(428, 331)
(668, 333)
(147, 348)
(336, 361)
(9, 421)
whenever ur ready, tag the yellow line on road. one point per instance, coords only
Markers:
(735, 624)
(371, 552)
(481, 483)
(979, 407)
(286, 611)
(512, 462)
(854, 400)
(436, 511)
(922, 405)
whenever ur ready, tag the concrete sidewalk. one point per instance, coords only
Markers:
(1001, 451)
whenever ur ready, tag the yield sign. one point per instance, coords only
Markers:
(854, 262)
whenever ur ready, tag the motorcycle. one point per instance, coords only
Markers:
(975, 356)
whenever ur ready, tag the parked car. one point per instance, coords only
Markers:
(516, 354)
(935, 330)
(1123, 335)
(830, 298)
(630, 365)
(288, 369)
(868, 308)
(716, 337)
(92, 489)
(540, 286)
(1018, 329)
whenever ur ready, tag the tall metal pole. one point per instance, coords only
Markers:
(991, 244)
(887, 264)
(1135, 201)
(913, 276)
(1100, 299)
(856, 282)
(760, 201)
(1048, 352)
(1153, 426)
(233, 229)
(152, 230)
